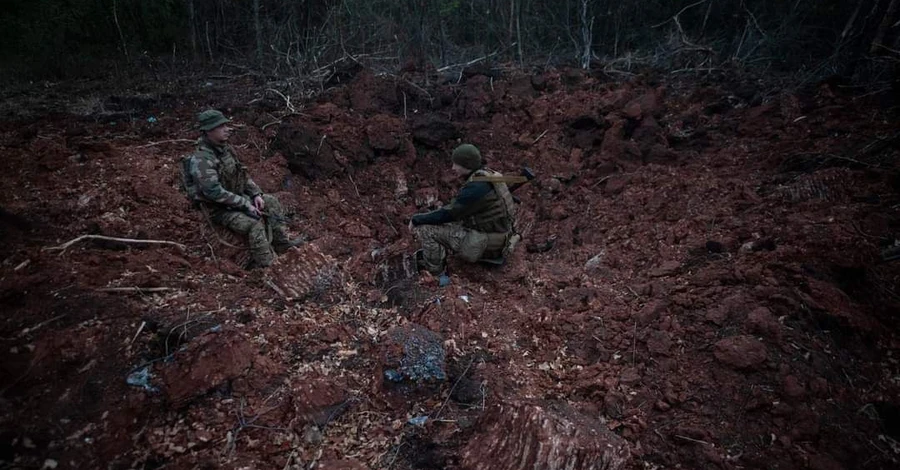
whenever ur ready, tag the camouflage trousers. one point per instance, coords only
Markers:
(256, 229)
(469, 245)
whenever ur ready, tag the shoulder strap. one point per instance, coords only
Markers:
(499, 179)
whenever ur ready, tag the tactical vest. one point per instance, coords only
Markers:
(188, 183)
(495, 212)
(232, 174)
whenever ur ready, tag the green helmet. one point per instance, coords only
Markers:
(211, 119)
(467, 156)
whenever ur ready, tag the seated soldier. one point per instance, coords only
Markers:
(217, 182)
(477, 225)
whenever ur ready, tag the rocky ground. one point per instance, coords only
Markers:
(700, 284)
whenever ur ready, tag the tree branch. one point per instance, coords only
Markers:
(62, 248)
(675, 18)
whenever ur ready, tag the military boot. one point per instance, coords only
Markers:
(282, 246)
(421, 264)
(419, 256)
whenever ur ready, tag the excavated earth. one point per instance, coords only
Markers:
(700, 283)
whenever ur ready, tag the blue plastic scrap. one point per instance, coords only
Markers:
(141, 378)
(444, 280)
(418, 420)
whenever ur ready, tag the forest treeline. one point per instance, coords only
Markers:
(71, 38)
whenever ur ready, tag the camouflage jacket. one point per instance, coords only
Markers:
(213, 174)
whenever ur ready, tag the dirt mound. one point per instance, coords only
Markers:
(700, 284)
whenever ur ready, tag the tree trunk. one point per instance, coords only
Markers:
(193, 20)
(258, 27)
(121, 36)
(209, 44)
(519, 32)
(512, 12)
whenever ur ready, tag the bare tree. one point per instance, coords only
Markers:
(193, 21)
(587, 33)
(259, 36)
(119, 28)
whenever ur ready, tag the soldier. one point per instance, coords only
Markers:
(219, 184)
(478, 223)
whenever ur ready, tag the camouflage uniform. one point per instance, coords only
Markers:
(216, 180)
(476, 225)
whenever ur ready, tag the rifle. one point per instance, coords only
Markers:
(515, 182)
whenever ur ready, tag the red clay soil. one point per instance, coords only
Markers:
(699, 283)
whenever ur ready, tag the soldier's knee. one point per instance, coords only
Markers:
(272, 203)
(257, 232)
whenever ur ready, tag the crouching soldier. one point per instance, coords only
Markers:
(217, 182)
(477, 225)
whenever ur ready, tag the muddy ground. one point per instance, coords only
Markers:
(701, 275)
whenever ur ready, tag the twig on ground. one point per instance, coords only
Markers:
(287, 99)
(601, 180)
(319, 148)
(173, 141)
(140, 329)
(632, 292)
(62, 248)
(40, 325)
(355, 188)
(213, 254)
(275, 288)
(396, 453)
(450, 393)
(390, 224)
(184, 327)
(244, 423)
(698, 441)
(290, 459)
(135, 289)
(540, 136)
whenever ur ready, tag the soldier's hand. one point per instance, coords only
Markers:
(252, 211)
(259, 203)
